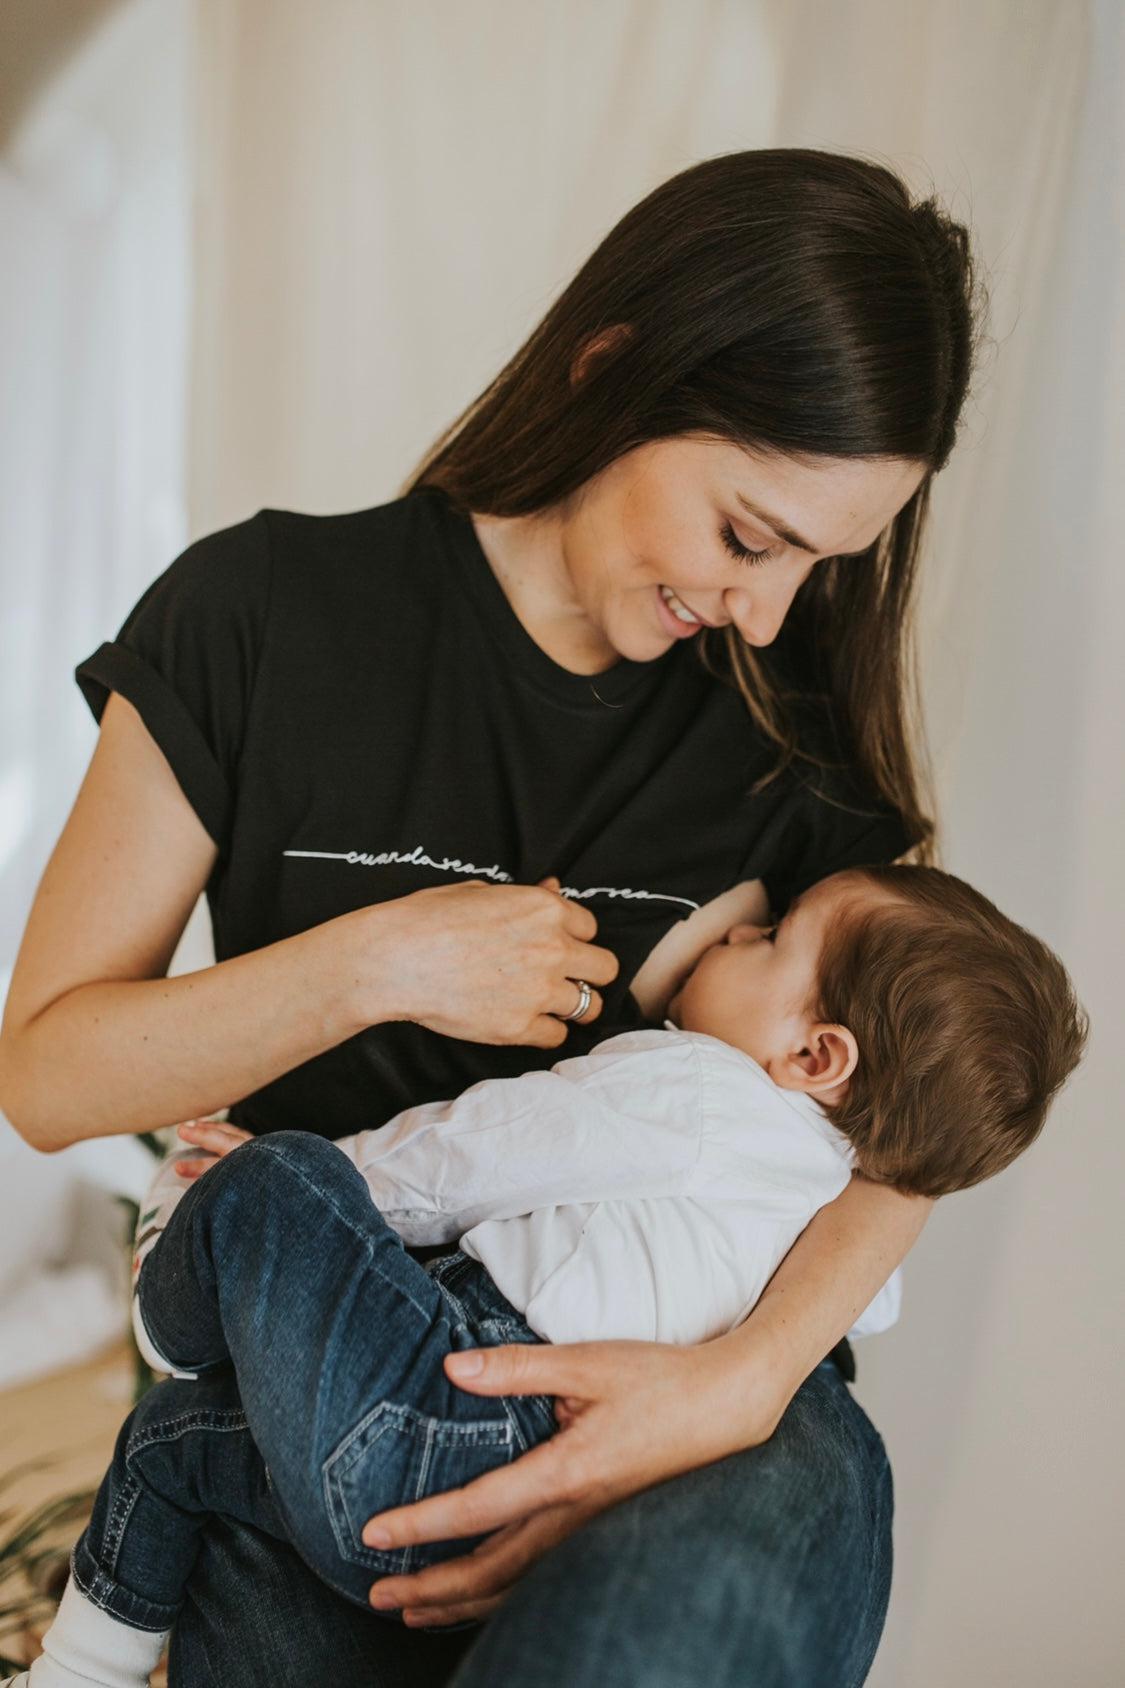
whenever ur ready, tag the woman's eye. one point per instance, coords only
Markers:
(736, 548)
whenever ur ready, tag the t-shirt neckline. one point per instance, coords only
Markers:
(592, 692)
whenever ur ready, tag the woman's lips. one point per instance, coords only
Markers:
(679, 629)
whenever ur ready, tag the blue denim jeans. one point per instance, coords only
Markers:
(769, 1567)
(320, 1397)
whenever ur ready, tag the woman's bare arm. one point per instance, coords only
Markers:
(833, 1271)
(95, 1039)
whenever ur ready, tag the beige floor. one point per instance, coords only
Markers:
(64, 1426)
(71, 1419)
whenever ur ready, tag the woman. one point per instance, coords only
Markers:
(638, 622)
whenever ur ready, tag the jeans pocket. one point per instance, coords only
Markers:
(397, 1455)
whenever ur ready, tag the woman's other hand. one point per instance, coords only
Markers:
(631, 1414)
(487, 963)
(213, 1134)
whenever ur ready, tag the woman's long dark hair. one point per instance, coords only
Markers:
(787, 299)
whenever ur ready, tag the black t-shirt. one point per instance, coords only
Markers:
(354, 711)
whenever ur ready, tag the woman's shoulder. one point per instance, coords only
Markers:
(190, 651)
(413, 518)
(231, 569)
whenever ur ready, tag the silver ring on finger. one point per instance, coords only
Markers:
(585, 997)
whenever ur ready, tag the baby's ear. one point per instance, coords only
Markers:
(826, 1060)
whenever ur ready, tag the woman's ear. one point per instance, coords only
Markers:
(602, 344)
(826, 1060)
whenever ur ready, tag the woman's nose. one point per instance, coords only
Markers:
(759, 610)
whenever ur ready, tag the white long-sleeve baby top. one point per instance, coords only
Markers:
(649, 1189)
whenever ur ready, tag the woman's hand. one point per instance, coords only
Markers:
(213, 1134)
(631, 1414)
(483, 963)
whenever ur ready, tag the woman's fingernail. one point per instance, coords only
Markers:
(377, 1538)
(466, 1364)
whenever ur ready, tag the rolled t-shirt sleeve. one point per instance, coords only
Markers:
(187, 656)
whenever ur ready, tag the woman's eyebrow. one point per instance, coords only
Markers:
(787, 533)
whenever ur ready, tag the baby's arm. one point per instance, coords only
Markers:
(506, 1147)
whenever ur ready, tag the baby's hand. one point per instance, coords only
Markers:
(213, 1134)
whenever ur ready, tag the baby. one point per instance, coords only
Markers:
(894, 1024)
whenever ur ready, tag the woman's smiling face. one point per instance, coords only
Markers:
(667, 517)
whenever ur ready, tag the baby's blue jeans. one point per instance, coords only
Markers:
(321, 1399)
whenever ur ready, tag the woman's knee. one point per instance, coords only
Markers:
(820, 1483)
(780, 1554)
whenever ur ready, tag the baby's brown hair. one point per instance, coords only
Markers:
(967, 1026)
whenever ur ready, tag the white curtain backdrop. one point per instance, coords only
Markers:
(95, 276)
(386, 198)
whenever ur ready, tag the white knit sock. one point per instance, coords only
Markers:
(86, 1646)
